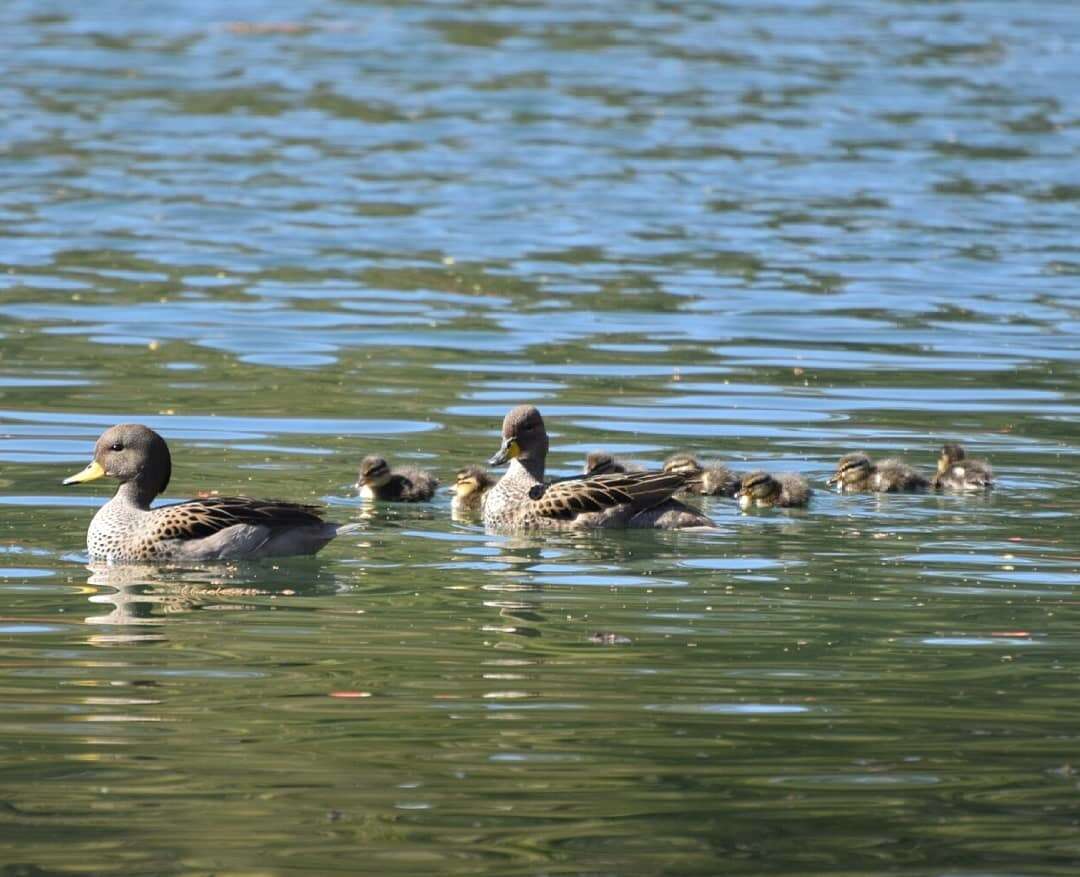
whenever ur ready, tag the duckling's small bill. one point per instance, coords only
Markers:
(92, 472)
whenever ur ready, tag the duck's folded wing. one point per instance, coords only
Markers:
(641, 490)
(201, 518)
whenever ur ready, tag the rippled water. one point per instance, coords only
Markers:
(287, 235)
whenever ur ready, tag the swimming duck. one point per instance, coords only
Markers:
(715, 479)
(603, 463)
(471, 486)
(957, 471)
(521, 500)
(378, 481)
(212, 528)
(857, 472)
(786, 490)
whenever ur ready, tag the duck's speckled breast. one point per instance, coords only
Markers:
(119, 531)
(507, 503)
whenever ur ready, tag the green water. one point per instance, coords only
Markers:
(289, 235)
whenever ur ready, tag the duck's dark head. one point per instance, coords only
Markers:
(130, 453)
(523, 437)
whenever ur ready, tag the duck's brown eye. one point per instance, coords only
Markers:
(116, 446)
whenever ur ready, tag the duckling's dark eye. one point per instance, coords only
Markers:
(116, 446)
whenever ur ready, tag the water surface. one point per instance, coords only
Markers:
(288, 235)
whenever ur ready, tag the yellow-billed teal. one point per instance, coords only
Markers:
(521, 500)
(211, 528)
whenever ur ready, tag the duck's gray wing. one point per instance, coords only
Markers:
(232, 527)
(565, 500)
(200, 518)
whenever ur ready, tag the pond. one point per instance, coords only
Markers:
(287, 235)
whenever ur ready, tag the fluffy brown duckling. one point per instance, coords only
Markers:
(470, 488)
(712, 479)
(603, 463)
(762, 490)
(857, 473)
(378, 481)
(957, 471)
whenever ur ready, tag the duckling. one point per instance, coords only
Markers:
(714, 479)
(857, 473)
(126, 529)
(957, 471)
(377, 481)
(470, 488)
(786, 490)
(603, 463)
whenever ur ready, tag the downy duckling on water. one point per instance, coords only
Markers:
(857, 473)
(378, 481)
(957, 471)
(470, 488)
(762, 490)
(712, 479)
(603, 463)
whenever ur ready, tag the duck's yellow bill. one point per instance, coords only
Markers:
(509, 450)
(90, 473)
